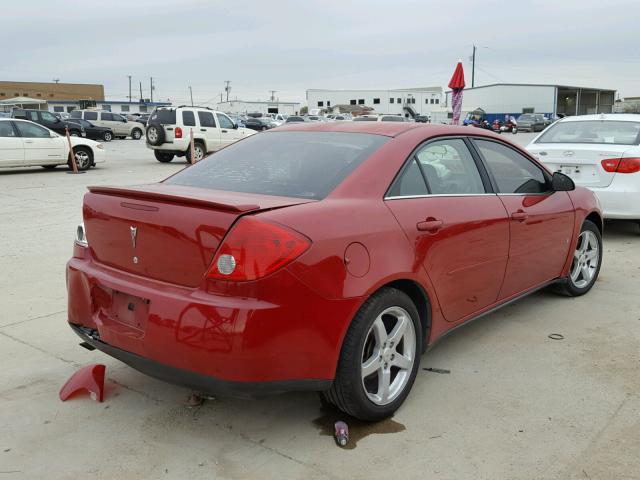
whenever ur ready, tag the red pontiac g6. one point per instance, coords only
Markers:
(324, 257)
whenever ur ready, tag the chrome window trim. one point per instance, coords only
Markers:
(400, 197)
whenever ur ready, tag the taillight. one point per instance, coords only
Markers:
(253, 249)
(178, 132)
(621, 165)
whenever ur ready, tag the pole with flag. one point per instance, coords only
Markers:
(456, 84)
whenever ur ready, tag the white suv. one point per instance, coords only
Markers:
(168, 132)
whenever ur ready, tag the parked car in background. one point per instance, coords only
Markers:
(27, 144)
(250, 274)
(92, 131)
(280, 118)
(600, 152)
(143, 119)
(259, 124)
(295, 119)
(168, 132)
(315, 118)
(61, 115)
(366, 118)
(238, 120)
(121, 127)
(532, 122)
(423, 119)
(392, 118)
(49, 120)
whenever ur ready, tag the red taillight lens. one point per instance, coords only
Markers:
(178, 132)
(254, 249)
(621, 165)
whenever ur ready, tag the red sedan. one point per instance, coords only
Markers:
(324, 257)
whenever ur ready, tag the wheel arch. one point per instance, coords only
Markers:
(596, 218)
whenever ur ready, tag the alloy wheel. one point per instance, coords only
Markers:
(82, 159)
(585, 259)
(388, 356)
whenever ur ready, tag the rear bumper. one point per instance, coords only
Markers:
(201, 383)
(276, 331)
(620, 201)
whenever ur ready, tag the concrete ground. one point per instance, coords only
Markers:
(515, 405)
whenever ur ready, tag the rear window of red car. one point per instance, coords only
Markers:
(288, 164)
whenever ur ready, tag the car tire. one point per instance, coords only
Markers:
(586, 263)
(367, 346)
(155, 134)
(164, 157)
(107, 137)
(74, 133)
(514, 130)
(200, 152)
(84, 158)
(136, 134)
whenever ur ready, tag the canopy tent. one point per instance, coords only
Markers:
(23, 102)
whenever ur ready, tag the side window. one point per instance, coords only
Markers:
(91, 116)
(410, 182)
(33, 116)
(106, 117)
(449, 168)
(75, 114)
(188, 119)
(206, 119)
(224, 121)
(513, 172)
(30, 130)
(49, 117)
(6, 130)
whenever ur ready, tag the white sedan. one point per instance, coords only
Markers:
(27, 144)
(600, 152)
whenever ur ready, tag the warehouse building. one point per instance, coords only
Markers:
(51, 91)
(115, 106)
(403, 101)
(512, 99)
(274, 106)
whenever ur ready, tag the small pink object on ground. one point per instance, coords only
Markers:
(89, 378)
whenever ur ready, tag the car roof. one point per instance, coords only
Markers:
(625, 117)
(389, 129)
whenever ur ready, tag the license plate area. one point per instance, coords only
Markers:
(571, 170)
(129, 310)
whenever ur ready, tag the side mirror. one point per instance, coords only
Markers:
(53, 135)
(562, 183)
(235, 126)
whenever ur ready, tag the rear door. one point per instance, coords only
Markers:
(541, 220)
(228, 134)
(52, 122)
(40, 148)
(457, 226)
(209, 129)
(11, 147)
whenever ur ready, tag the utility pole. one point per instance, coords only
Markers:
(141, 91)
(191, 94)
(273, 93)
(151, 80)
(129, 88)
(227, 88)
(473, 67)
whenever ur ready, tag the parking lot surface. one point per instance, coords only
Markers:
(508, 401)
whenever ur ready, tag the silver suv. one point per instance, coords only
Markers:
(169, 132)
(121, 127)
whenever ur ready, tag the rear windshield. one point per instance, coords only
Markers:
(593, 131)
(288, 164)
(164, 116)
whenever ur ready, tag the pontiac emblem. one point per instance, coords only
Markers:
(134, 235)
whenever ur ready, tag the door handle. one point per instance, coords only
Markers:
(430, 225)
(28, 141)
(203, 129)
(223, 131)
(520, 215)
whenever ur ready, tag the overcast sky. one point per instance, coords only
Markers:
(290, 46)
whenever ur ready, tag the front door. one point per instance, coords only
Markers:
(11, 147)
(459, 230)
(228, 134)
(541, 221)
(40, 148)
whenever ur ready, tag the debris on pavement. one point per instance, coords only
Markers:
(341, 433)
(556, 336)
(437, 370)
(89, 378)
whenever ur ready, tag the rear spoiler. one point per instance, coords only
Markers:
(176, 194)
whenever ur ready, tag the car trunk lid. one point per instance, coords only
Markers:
(581, 162)
(166, 232)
